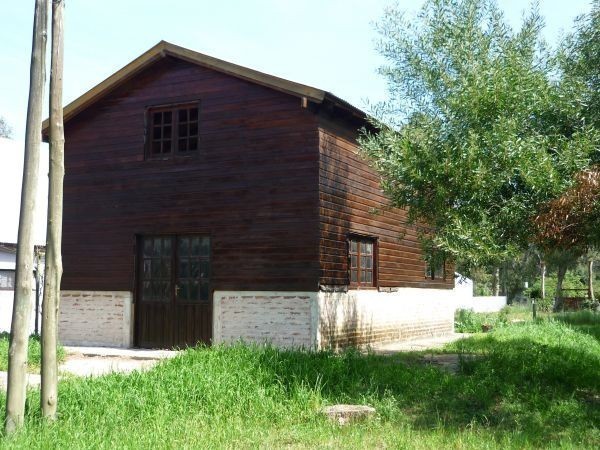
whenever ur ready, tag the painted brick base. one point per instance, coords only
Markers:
(322, 320)
(96, 318)
(280, 318)
(356, 318)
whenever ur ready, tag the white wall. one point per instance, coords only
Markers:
(96, 318)
(321, 319)
(484, 304)
(284, 319)
(360, 317)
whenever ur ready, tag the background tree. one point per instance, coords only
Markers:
(580, 62)
(477, 133)
(5, 128)
(17, 355)
(49, 386)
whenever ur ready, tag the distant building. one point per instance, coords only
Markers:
(11, 173)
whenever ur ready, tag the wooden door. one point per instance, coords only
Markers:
(174, 299)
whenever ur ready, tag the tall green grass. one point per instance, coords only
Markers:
(34, 353)
(535, 385)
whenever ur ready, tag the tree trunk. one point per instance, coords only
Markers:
(591, 280)
(543, 274)
(559, 302)
(497, 281)
(49, 386)
(17, 355)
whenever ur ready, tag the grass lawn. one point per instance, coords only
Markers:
(34, 355)
(533, 385)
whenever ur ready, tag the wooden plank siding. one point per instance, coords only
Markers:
(253, 186)
(351, 201)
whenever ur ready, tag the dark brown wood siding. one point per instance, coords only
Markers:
(351, 201)
(253, 187)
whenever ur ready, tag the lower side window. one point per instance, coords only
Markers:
(361, 254)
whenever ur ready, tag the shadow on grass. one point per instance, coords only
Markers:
(521, 385)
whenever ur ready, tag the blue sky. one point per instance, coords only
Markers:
(328, 44)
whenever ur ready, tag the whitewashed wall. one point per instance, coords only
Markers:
(284, 319)
(96, 318)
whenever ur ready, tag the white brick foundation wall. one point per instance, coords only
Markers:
(361, 317)
(281, 318)
(96, 318)
(321, 319)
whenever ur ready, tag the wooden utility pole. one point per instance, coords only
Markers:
(53, 274)
(19, 332)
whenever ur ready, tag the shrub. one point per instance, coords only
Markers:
(468, 321)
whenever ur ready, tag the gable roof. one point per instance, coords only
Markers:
(164, 49)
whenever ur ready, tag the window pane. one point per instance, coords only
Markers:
(156, 247)
(204, 291)
(193, 129)
(196, 246)
(368, 262)
(363, 262)
(363, 276)
(184, 291)
(167, 117)
(184, 246)
(146, 292)
(155, 268)
(183, 115)
(353, 276)
(369, 277)
(204, 246)
(193, 144)
(363, 247)
(194, 114)
(147, 268)
(167, 132)
(156, 147)
(165, 270)
(182, 146)
(7, 280)
(204, 268)
(195, 268)
(353, 246)
(166, 147)
(183, 131)
(157, 133)
(369, 248)
(147, 247)
(156, 118)
(184, 268)
(353, 261)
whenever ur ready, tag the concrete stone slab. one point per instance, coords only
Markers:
(33, 380)
(131, 353)
(344, 414)
(97, 361)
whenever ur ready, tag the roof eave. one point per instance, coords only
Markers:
(163, 49)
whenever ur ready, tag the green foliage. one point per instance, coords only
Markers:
(482, 135)
(467, 321)
(531, 385)
(34, 352)
(580, 60)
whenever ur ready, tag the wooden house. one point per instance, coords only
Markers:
(208, 202)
